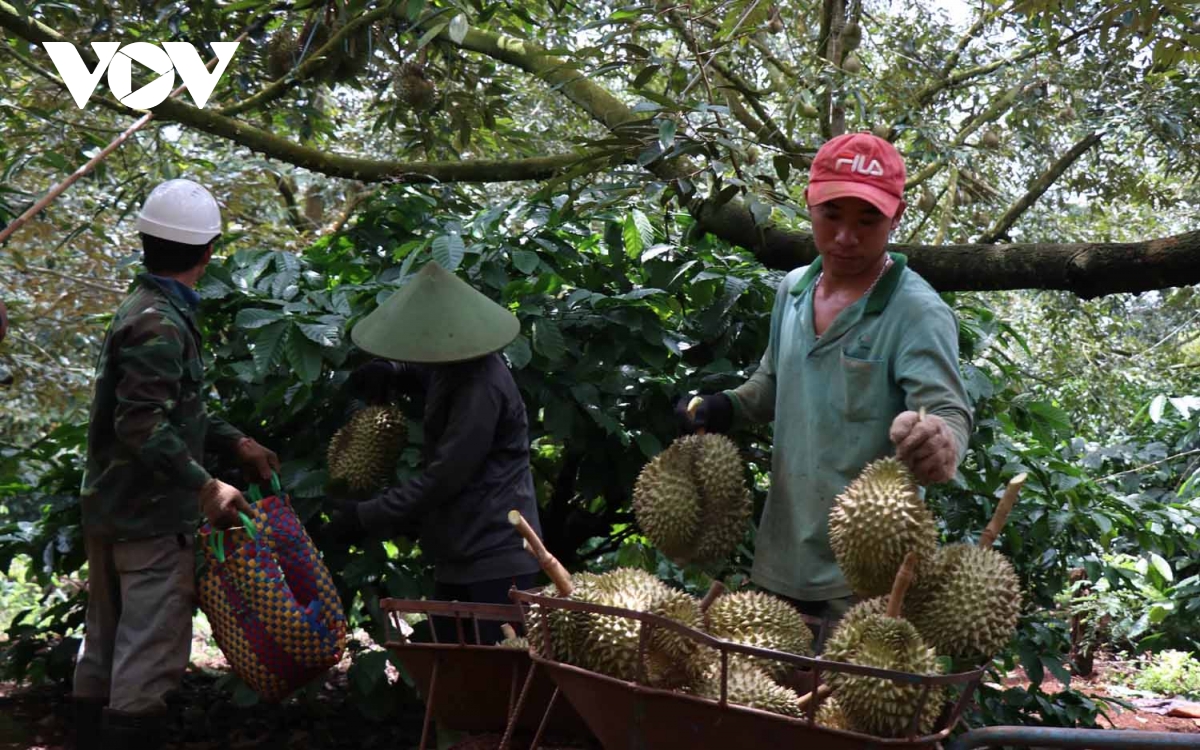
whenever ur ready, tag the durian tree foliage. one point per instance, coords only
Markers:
(551, 168)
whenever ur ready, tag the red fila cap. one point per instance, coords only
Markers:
(858, 165)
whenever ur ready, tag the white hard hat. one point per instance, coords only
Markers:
(182, 211)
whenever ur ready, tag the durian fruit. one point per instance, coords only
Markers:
(314, 35)
(881, 131)
(927, 201)
(362, 455)
(746, 685)
(416, 91)
(281, 53)
(756, 619)
(991, 139)
(851, 36)
(566, 628)
(831, 716)
(877, 705)
(726, 501)
(852, 64)
(609, 643)
(875, 522)
(666, 503)
(970, 605)
(692, 500)
(512, 640)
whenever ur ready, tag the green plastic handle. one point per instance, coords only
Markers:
(254, 494)
(248, 522)
(276, 486)
(216, 540)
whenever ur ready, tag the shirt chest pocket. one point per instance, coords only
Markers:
(864, 391)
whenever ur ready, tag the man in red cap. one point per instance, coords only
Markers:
(859, 343)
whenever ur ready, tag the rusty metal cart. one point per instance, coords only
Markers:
(625, 715)
(479, 688)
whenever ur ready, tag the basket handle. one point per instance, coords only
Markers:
(216, 540)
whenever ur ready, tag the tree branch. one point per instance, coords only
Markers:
(1038, 188)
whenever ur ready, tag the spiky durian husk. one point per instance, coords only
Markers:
(756, 619)
(362, 455)
(831, 716)
(968, 603)
(726, 501)
(416, 91)
(566, 628)
(666, 502)
(519, 643)
(692, 500)
(876, 705)
(839, 642)
(875, 522)
(748, 685)
(281, 53)
(610, 642)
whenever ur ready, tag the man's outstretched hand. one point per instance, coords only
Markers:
(926, 446)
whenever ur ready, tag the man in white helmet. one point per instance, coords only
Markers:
(144, 488)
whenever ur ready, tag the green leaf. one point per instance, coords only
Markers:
(1056, 668)
(252, 317)
(448, 250)
(458, 28)
(666, 133)
(304, 356)
(1162, 566)
(267, 345)
(429, 36)
(526, 261)
(518, 352)
(649, 444)
(638, 233)
(321, 333)
(1156, 408)
(760, 210)
(548, 339)
(783, 166)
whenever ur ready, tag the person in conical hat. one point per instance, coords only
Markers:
(439, 336)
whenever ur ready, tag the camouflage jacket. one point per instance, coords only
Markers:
(148, 427)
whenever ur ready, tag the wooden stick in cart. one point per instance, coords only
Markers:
(550, 564)
(1002, 510)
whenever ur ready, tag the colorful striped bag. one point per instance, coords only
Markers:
(270, 599)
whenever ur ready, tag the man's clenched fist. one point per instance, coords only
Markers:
(220, 503)
(926, 446)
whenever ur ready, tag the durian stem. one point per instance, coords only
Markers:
(821, 692)
(692, 406)
(714, 591)
(507, 630)
(549, 563)
(1002, 510)
(904, 578)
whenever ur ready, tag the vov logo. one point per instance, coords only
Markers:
(179, 57)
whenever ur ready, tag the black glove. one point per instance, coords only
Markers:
(714, 414)
(344, 525)
(373, 381)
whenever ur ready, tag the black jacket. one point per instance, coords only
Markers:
(476, 450)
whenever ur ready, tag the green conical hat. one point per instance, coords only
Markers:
(436, 317)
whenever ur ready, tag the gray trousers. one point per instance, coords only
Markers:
(138, 635)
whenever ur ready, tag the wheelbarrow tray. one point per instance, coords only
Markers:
(472, 688)
(630, 715)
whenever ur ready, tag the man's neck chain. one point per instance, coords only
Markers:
(887, 263)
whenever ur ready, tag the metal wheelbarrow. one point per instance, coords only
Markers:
(629, 715)
(479, 688)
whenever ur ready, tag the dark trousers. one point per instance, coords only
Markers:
(494, 591)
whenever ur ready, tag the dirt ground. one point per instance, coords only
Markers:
(1108, 673)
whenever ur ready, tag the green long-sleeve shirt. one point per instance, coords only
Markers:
(148, 426)
(832, 399)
